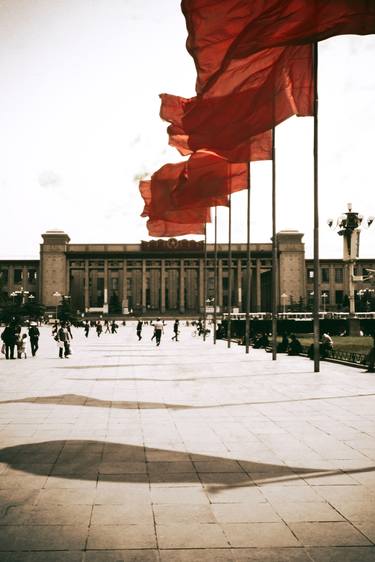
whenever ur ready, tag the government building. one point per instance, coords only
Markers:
(167, 277)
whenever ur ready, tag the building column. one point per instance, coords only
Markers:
(201, 285)
(67, 282)
(87, 286)
(105, 300)
(220, 285)
(24, 278)
(162, 286)
(332, 293)
(258, 287)
(144, 286)
(124, 286)
(239, 285)
(182, 287)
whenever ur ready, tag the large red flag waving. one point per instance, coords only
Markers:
(223, 31)
(245, 102)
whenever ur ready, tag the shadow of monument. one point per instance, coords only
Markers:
(115, 462)
(89, 402)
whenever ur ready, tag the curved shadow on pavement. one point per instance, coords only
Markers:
(90, 402)
(83, 460)
(87, 401)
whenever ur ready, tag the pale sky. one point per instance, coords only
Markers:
(79, 122)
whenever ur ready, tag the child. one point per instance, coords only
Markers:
(21, 346)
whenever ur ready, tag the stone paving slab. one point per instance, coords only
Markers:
(184, 452)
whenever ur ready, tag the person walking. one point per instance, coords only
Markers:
(34, 338)
(158, 330)
(21, 346)
(139, 329)
(62, 338)
(99, 328)
(9, 337)
(176, 326)
(114, 327)
(107, 330)
(87, 329)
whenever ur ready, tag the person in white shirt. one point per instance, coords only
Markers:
(158, 330)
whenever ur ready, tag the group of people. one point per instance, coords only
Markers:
(108, 327)
(158, 325)
(14, 341)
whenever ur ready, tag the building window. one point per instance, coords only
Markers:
(325, 275)
(31, 276)
(339, 297)
(18, 275)
(339, 275)
(4, 276)
(310, 274)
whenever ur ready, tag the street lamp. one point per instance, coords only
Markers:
(349, 224)
(284, 296)
(324, 297)
(57, 295)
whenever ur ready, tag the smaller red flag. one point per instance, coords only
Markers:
(158, 197)
(208, 179)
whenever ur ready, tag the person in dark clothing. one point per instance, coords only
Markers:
(34, 339)
(295, 347)
(114, 327)
(99, 328)
(176, 325)
(87, 329)
(139, 329)
(9, 337)
(283, 345)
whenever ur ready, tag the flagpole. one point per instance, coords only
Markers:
(248, 272)
(316, 217)
(229, 324)
(215, 276)
(274, 252)
(205, 282)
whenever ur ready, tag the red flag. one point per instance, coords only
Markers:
(227, 31)
(161, 228)
(158, 198)
(244, 102)
(207, 181)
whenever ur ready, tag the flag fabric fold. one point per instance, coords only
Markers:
(223, 32)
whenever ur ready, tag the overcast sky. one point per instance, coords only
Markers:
(79, 122)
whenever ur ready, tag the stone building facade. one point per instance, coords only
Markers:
(169, 276)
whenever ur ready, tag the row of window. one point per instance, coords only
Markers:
(325, 274)
(18, 277)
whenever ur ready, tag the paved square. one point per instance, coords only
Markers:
(184, 452)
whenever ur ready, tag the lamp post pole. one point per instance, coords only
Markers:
(284, 296)
(57, 295)
(349, 224)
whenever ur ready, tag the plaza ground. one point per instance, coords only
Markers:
(187, 452)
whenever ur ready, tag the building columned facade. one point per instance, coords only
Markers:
(169, 276)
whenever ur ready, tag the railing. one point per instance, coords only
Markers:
(349, 357)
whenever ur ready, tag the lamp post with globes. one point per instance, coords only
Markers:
(349, 226)
(57, 295)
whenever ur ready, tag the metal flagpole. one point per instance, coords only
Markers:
(215, 277)
(248, 272)
(229, 325)
(316, 218)
(274, 253)
(205, 282)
